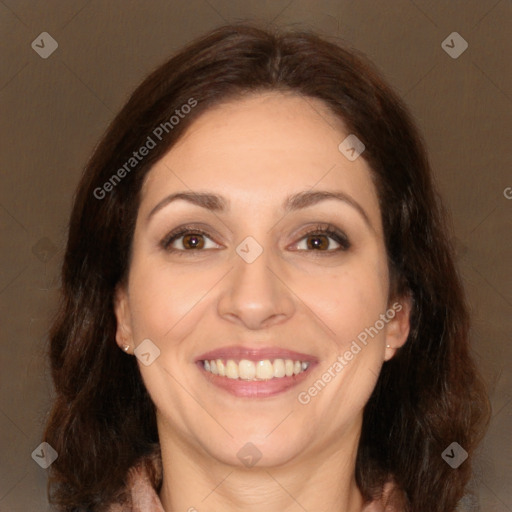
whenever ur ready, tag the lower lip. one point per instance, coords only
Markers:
(255, 389)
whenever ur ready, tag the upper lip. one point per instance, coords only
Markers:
(255, 354)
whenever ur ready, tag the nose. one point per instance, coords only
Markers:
(255, 294)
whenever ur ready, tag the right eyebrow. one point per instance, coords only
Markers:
(208, 201)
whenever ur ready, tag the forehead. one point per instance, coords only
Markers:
(262, 147)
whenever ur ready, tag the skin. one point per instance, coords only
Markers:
(255, 152)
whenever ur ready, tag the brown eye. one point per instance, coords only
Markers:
(319, 240)
(196, 241)
(193, 239)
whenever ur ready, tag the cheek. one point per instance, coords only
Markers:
(355, 300)
(166, 300)
(347, 301)
(159, 298)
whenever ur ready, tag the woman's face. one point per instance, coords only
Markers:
(250, 287)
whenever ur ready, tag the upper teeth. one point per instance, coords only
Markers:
(251, 370)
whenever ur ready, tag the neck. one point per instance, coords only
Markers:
(322, 479)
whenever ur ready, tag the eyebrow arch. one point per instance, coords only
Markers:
(298, 201)
(308, 198)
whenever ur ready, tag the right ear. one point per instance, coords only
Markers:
(123, 316)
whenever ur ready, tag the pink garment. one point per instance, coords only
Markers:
(142, 496)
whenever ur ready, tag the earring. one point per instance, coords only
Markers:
(388, 346)
(126, 348)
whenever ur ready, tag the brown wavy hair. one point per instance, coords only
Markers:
(427, 396)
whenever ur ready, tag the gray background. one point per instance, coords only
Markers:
(55, 110)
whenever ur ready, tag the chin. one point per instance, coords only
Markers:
(252, 447)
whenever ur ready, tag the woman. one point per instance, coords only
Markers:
(259, 233)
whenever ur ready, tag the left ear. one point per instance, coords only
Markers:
(399, 326)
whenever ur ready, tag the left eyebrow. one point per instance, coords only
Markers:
(298, 201)
(308, 198)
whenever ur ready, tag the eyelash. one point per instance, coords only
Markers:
(320, 229)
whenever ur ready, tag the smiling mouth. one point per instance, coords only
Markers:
(255, 372)
(247, 370)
